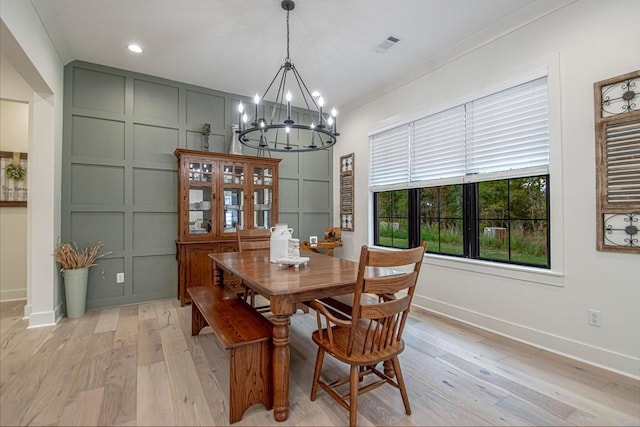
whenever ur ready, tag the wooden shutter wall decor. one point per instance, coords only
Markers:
(617, 121)
(346, 192)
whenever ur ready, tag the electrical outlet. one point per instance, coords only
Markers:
(595, 318)
(119, 277)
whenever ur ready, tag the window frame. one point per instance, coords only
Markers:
(470, 206)
(546, 66)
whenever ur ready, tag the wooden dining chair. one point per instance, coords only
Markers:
(253, 239)
(373, 332)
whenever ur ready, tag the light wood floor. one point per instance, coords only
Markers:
(138, 365)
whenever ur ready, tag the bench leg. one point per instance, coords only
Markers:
(251, 379)
(197, 320)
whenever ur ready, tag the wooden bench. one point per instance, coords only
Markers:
(247, 336)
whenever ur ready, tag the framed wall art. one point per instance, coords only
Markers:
(617, 121)
(346, 192)
(13, 179)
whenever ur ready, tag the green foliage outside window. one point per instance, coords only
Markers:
(393, 212)
(513, 220)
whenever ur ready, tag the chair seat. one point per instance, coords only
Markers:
(358, 356)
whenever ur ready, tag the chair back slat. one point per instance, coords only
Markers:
(384, 309)
(389, 284)
(395, 258)
(253, 239)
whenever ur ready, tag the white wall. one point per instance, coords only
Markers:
(585, 42)
(14, 128)
(14, 137)
(26, 45)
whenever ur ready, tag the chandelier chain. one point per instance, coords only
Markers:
(288, 35)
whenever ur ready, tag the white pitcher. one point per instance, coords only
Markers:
(279, 243)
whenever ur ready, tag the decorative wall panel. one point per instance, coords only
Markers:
(98, 90)
(97, 138)
(119, 180)
(155, 144)
(93, 184)
(155, 101)
(91, 227)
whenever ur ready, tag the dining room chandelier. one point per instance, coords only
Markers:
(276, 130)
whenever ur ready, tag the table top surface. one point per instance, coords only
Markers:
(323, 275)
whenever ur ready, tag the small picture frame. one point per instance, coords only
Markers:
(313, 241)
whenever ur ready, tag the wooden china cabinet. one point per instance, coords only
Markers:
(217, 194)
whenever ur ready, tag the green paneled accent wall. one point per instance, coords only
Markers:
(119, 175)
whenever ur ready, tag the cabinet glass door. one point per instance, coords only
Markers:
(201, 182)
(233, 179)
(201, 172)
(262, 197)
(200, 218)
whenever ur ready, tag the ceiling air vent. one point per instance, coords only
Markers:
(387, 43)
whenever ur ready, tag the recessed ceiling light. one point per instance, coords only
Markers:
(135, 48)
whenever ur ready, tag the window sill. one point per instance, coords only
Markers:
(515, 272)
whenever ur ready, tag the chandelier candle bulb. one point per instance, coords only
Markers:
(313, 136)
(240, 111)
(256, 100)
(334, 114)
(320, 104)
(289, 106)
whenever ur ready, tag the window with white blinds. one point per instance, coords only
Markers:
(503, 135)
(390, 157)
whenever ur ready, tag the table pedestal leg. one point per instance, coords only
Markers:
(281, 362)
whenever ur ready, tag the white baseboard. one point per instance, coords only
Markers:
(44, 318)
(27, 311)
(58, 312)
(13, 294)
(597, 356)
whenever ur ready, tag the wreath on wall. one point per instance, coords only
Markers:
(15, 172)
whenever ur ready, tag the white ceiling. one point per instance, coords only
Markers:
(237, 46)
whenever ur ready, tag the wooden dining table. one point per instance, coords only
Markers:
(285, 288)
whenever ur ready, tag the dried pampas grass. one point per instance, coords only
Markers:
(70, 257)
